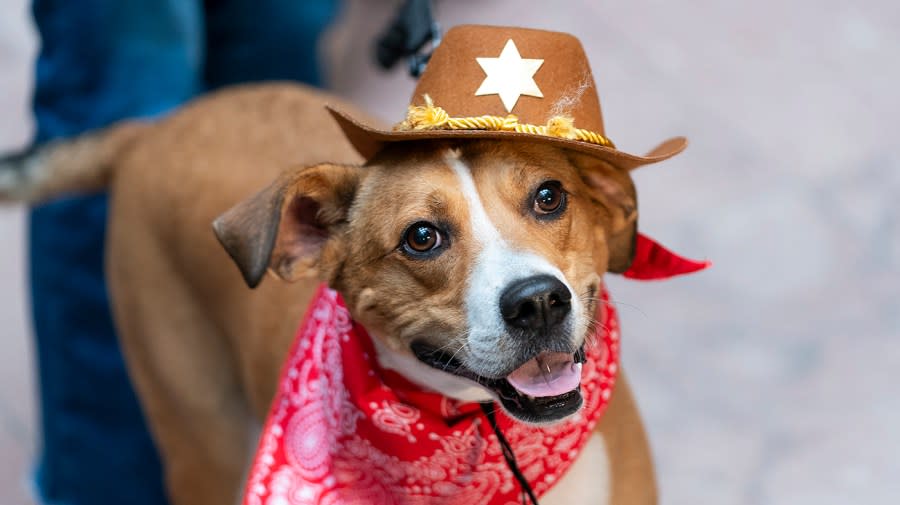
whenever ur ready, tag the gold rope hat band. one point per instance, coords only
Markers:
(432, 117)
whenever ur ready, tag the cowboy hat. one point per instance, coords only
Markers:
(516, 84)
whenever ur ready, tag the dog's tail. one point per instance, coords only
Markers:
(79, 165)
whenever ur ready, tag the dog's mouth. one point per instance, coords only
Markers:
(543, 389)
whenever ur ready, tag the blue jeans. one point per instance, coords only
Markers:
(101, 61)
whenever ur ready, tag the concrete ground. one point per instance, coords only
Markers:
(767, 380)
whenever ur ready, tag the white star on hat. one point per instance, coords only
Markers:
(509, 76)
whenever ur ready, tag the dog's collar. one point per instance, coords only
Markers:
(341, 429)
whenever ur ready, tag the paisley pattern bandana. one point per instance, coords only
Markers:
(342, 430)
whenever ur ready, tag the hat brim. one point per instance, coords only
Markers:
(368, 141)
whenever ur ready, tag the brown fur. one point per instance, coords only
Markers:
(204, 351)
(355, 249)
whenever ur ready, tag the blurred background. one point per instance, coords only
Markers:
(770, 379)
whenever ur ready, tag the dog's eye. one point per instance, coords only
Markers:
(549, 198)
(422, 237)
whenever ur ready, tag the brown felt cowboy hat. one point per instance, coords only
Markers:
(514, 84)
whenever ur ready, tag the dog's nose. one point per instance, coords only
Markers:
(535, 303)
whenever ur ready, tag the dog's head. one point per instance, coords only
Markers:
(476, 266)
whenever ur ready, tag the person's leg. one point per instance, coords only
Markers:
(264, 40)
(99, 61)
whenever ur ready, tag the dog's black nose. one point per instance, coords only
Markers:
(535, 303)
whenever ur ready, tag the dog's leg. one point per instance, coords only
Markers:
(182, 369)
(632, 476)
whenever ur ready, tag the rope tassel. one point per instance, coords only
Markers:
(432, 117)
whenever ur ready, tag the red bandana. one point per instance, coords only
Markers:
(342, 430)
(653, 262)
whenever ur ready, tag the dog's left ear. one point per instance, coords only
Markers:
(613, 193)
(287, 226)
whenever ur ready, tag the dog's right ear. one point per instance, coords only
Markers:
(285, 226)
(615, 198)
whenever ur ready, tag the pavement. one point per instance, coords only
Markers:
(770, 379)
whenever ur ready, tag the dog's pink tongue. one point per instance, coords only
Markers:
(549, 374)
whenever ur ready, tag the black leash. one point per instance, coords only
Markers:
(508, 455)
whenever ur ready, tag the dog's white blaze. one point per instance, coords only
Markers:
(496, 266)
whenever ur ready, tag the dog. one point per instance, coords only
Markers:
(494, 249)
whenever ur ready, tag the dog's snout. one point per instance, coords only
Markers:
(535, 303)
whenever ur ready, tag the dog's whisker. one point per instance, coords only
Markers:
(445, 346)
(627, 306)
(585, 297)
(452, 357)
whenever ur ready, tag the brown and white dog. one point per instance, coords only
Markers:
(425, 241)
